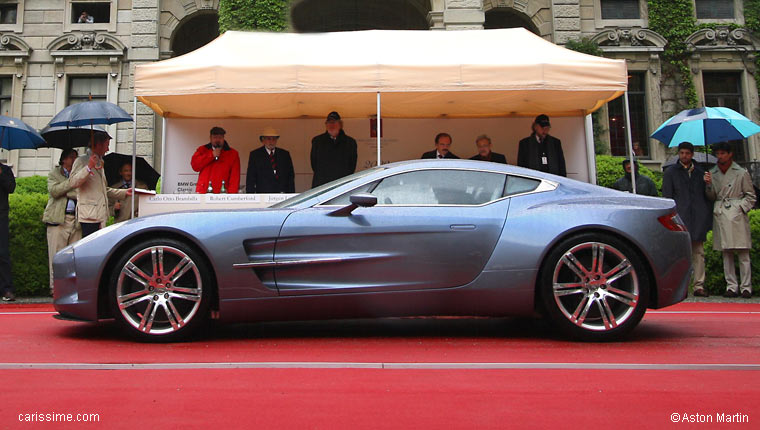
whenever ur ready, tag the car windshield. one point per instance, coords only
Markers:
(314, 192)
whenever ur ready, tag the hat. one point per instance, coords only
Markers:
(333, 116)
(269, 132)
(542, 120)
(218, 130)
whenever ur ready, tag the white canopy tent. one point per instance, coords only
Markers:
(399, 74)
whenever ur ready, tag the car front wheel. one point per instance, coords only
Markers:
(159, 290)
(594, 287)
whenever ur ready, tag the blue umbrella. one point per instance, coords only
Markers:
(17, 134)
(88, 113)
(705, 126)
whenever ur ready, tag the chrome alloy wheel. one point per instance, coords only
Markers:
(595, 286)
(159, 290)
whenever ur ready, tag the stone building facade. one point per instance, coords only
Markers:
(49, 60)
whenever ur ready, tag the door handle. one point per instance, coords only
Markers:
(462, 227)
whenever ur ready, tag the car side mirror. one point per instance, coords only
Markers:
(364, 200)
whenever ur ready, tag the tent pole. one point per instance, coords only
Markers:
(377, 130)
(590, 150)
(629, 142)
(163, 151)
(134, 155)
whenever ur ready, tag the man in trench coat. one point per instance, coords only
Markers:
(730, 187)
(684, 182)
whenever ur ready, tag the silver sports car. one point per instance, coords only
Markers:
(426, 237)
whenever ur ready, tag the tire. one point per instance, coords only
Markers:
(592, 303)
(160, 291)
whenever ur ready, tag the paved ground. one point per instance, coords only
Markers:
(689, 362)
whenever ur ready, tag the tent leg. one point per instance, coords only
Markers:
(377, 130)
(590, 150)
(163, 151)
(629, 141)
(134, 154)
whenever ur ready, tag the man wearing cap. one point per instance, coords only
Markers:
(442, 145)
(270, 169)
(93, 192)
(216, 162)
(333, 153)
(539, 151)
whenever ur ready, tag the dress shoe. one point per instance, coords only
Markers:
(730, 294)
(700, 292)
(9, 297)
(746, 294)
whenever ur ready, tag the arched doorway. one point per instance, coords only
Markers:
(308, 16)
(504, 17)
(194, 32)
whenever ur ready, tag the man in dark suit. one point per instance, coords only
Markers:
(270, 169)
(333, 153)
(483, 143)
(539, 151)
(442, 145)
(7, 186)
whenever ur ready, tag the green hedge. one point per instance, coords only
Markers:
(28, 243)
(609, 169)
(31, 184)
(714, 280)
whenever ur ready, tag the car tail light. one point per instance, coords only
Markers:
(672, 222)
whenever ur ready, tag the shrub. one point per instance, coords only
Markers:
(28, 244)
(609, 169)
(714, 280)
(31, 184)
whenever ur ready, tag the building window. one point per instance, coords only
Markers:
(620, 9)
(90, 12)
(724, 89)
(8, 13)
(714, 9)
(637, 109)
(6, 88)
(82, 89)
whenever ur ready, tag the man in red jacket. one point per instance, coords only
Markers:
(216, 162)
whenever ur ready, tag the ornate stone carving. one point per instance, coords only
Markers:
(87, 43)
(721, 38)
(629, 37)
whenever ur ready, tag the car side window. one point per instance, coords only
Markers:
(440, 187)
(519, 185)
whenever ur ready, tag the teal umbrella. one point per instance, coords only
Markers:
(705, 126)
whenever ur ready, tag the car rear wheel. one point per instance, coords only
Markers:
(160, 291)
(594, 287)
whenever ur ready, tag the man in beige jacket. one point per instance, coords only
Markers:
(60, 212)
(730, 187)
(88, 178)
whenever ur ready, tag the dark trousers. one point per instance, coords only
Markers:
(6, 281)
(89, 228)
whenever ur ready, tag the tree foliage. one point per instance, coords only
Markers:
(268, 15)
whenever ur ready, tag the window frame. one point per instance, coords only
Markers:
(642, 21)
(109, 26)
(737, 19)
(18, 27)
(72, 77)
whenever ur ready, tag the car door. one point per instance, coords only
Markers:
(431, 228)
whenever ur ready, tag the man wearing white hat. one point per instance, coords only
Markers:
(270, 169)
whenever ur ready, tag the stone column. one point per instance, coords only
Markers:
(464, 15)
(143, 49)
(567, 20)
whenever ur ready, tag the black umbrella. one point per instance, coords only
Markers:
(699, 157)
(145, 172)
(67, 137)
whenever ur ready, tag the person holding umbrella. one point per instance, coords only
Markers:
(122, 209)
(684, 182)
(730, 187)
(7, 186)
(60, 211)
(93, 193)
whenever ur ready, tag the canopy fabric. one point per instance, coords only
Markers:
(420, 74)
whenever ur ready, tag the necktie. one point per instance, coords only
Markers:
(440, 156)
(274, 164)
